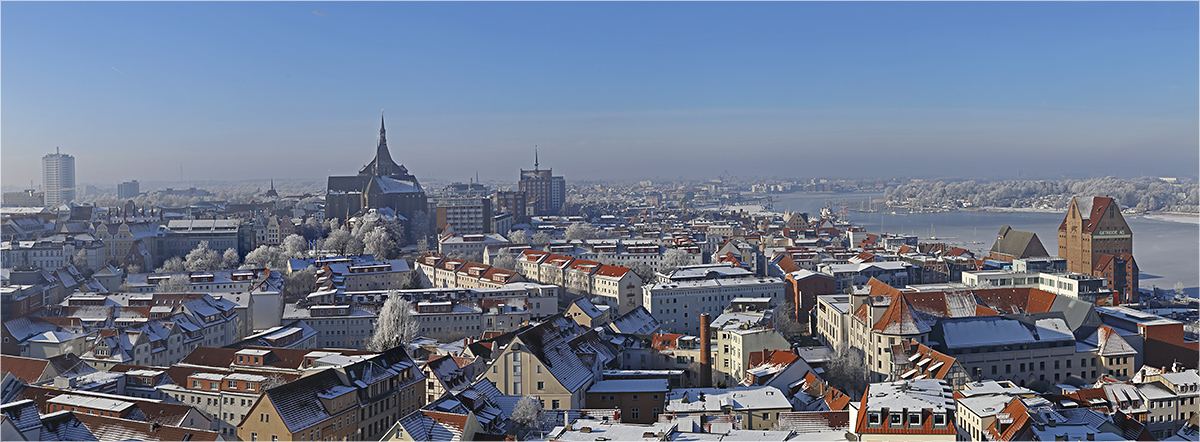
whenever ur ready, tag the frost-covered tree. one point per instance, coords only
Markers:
(421, 225)
(178, 283)
(397, 324)
(338, 241)
(505, 260)
(295, 246)
(269, 257)
(230, 259)
(202, 259)
(379, 242)
(80, 260)
(313, 230)
(527, 412)
(518, 237)
(540, 239)
(172, 265)
(580, 231)
(674, 259)
(299, 283)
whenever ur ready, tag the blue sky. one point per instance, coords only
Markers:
(237, 90)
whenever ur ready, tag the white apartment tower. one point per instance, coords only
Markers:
(58, 178)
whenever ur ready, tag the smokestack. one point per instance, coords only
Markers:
(705, 352)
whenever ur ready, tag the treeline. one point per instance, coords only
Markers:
(1145, 194)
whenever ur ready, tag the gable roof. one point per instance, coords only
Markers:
(30, 370)
(638, 321)
(112, 428)
(434, 425)
(1018, 244)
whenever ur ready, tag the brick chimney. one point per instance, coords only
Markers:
(705, 352)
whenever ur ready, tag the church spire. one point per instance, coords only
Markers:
(382, 165)
(535, 158)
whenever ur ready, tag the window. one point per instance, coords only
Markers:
(914, 419)
(633, 413)
(541, 385)
(873, 419)
(1007, 368)
(233, 384)
(554, 404)
(253, 436)
(894, 419)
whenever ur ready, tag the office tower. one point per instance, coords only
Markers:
(58, 178)
(128, 189)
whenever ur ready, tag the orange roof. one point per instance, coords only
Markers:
(982, 310)
(612, 271)
(1017, 430)
(900, 318)
(886, 428)
(1039, 301)
(664, 341)
(1100, 204)
(836, 400)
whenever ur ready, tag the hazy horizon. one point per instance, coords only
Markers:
(233, 91)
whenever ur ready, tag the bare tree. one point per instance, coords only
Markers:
(412, 280)
(172, 265)
(230, 259)
(785, 321)
(178, 283)
(272, 381)
(540, 239)
(847, 371)
(527, 412)
(518, 237)
(202, 259)
(396, 325)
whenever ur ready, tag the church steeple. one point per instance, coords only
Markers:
(535, 158)
(382, 165)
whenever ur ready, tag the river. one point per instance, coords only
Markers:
(1167, 248)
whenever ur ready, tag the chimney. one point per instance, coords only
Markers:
(705, 352)
(1091, 436)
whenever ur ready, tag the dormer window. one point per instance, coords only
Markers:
(939, 420)
(894, 419)
(873, 419)
(914, 419)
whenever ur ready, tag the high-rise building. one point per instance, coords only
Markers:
(380, 184)
(464, 215)
(544, 192)
(509, 201)
(128, 189)
(58, 178)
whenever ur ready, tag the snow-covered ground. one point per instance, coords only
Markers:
(1176, 218)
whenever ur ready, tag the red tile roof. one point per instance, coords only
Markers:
(29, 370)
(1018, 429)
(612, 271)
